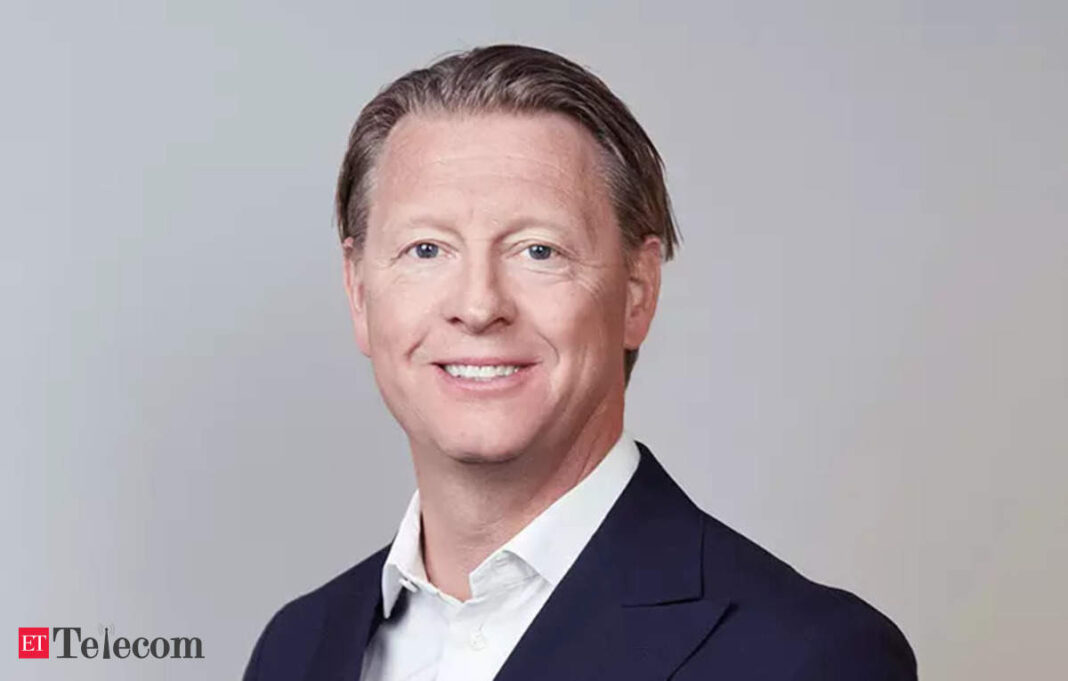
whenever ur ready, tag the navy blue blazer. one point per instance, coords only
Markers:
(661, 591)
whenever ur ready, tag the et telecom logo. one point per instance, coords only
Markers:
(34, 644)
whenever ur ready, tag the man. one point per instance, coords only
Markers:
(503, 220)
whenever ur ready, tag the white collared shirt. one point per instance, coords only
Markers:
(436, 636)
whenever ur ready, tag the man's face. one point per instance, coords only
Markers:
(492, 294)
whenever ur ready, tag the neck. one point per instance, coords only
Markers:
(469, 510)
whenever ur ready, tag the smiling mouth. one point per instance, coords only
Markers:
(481, 372)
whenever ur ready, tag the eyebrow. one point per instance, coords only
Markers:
(418, 221)
(413, 222)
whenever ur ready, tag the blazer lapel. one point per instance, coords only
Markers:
(633, 606)
(353, 616)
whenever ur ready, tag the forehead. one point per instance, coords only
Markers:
(542, 158)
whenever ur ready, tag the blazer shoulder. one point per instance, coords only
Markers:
(292, 635)
(821, 631)
(849, 638)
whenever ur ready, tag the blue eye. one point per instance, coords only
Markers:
(424, 250)
(540, 251)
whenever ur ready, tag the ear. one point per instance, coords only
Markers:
(643, 289)
(353, 273)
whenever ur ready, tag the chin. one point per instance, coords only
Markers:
(484, 445)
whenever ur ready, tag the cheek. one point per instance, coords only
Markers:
(398, 315)
(578, 320)
(603, 300)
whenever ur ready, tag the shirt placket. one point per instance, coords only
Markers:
(472, 644)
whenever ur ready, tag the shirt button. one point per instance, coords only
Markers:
(477, 641)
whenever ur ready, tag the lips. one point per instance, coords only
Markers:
(486, 361)
(484, 369)
(481, 372)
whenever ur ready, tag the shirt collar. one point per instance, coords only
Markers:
(549, 544)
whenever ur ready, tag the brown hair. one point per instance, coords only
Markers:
(517, 79)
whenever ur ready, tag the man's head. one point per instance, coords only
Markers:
(502, 213)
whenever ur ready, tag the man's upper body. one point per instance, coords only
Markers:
(660, 591)
(503, 219)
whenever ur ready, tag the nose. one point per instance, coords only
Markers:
(480, 300)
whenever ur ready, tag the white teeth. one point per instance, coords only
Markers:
(480, 372)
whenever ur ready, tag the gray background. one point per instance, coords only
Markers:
(859, 359)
